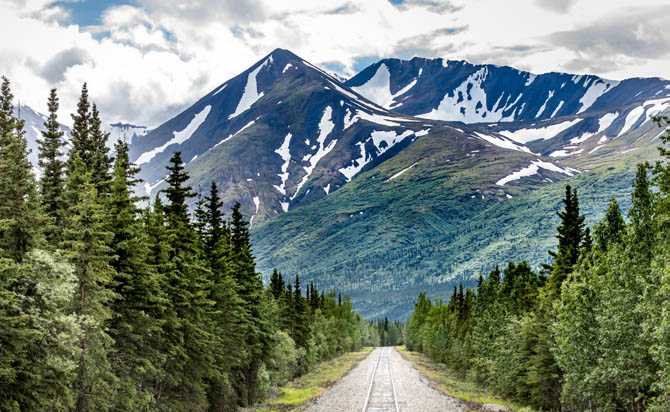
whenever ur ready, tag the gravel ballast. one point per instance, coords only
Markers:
(413, 390)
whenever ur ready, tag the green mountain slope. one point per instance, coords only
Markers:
(440, 222)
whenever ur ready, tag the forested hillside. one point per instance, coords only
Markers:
(106, 306)
(590, 332)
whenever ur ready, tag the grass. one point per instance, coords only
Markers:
(299, 393)
(472, 396)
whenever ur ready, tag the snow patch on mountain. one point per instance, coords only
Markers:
(246, 126)
(581, 139)
(531, 79)
(657, 106)
(148, 187)
(632, 118)
(257, 202)
(251, 93)
(326, 126)
(178, 137)
(531, 134)
(123, 131)
(467, 104)
(405, 89)
(349, 119)
(500, 142)
(388, 138)
(606, 121)
(401, 172)
(560, 104)
(356, 164)
(533, 169)
(220, 89)
(544, 105)
(285, 154)
(378, 88)
(597, 89)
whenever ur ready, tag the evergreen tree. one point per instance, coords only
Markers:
(301, 334)
(258, 331)
(277, 284)
(570, 236)
(100, 160)
(177, 194)
(641, 242)
(20, 213)
(86, 241)
(8, 122)
(612, 228)
(81, 141)
(52, 182)
(215, 221)
(140, 304)
(188, 285)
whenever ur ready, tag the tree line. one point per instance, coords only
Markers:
(108, 306)
(591, 332)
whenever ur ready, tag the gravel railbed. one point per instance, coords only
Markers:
(413, 390)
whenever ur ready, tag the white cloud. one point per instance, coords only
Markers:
(145, 62)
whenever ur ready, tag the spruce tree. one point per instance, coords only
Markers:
(188, 286)
(218, 237)
(20, 212)
(101, 162)
(301, 334)
(86, 240)
(258, 330)
(52, 182)
(612, 228)
(8, 123)
(277, 284)
(81, 140)
(642, 234)
(140, 303)
(570, 236)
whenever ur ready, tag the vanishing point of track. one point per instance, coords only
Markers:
(381, 395)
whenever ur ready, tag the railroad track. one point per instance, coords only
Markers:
(381, 395)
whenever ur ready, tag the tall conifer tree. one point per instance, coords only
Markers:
(86, 240)
(81, 141)
(250, 288)
(101, 162)
(139, 305)
(20, 214)
(188, 286)
(52, 182)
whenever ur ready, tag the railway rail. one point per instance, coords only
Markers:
(381, 396)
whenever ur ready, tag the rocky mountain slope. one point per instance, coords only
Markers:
(285, 133)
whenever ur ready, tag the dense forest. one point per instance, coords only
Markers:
(591, 332)
(107, 306)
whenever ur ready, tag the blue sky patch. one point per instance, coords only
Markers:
(89, 12)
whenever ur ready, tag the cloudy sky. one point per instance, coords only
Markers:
(146, 60)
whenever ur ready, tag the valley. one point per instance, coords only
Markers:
(410, 176)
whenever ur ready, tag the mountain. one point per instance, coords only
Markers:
(429, 218)
(459, 91)
(34, 125)
(125, 131)
(553, 114)
(284, 133)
